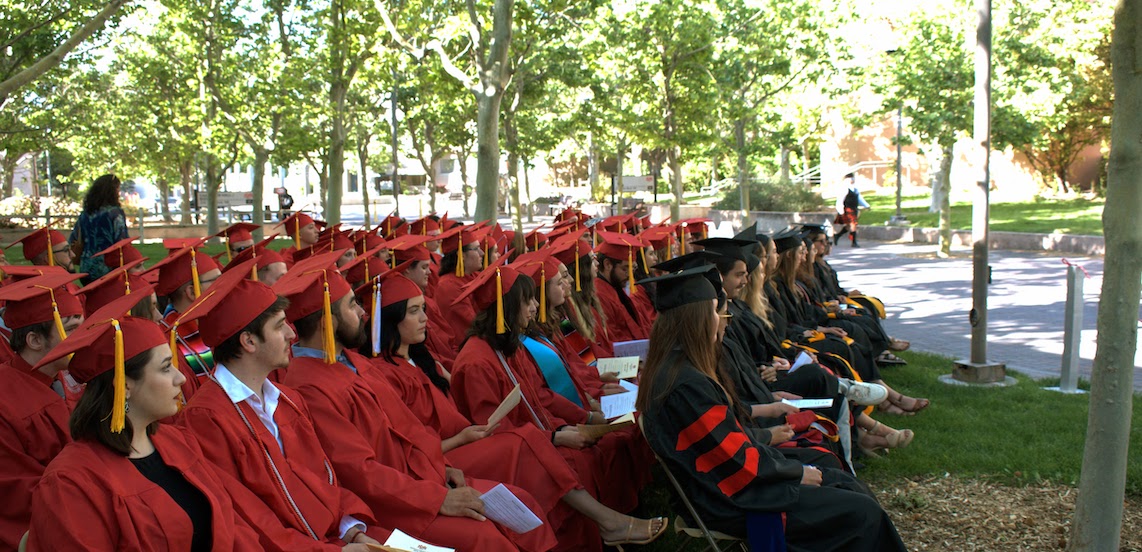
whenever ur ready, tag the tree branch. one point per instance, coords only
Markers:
(53, 59)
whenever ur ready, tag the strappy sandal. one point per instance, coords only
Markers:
(889, 407)
(917, 405)
(888, 359)
(630, 531)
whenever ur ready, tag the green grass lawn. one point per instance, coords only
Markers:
(1070, 216)
(1017, 435)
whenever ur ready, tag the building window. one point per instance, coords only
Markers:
(353, 187)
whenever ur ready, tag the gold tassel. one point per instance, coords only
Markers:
(51, 254)
(327, 342)
(194, 273)
(486, 249)
(254, 271)
(119, 405)
(459, 256)
(543, 294)
(577, 286)
(228, 256)
(500, 330)
(645, 266)
(682, 238)
(174, 342)
(630, 269)
(297, 234)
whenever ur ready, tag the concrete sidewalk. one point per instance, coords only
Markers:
(928, 300)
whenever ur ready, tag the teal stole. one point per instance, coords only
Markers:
(553, 368)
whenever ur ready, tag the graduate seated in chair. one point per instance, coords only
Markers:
(692, 423)
(127, 482)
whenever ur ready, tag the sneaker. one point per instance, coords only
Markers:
(866, 394)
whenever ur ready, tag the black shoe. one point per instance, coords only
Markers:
(855, 244)
(836, 238)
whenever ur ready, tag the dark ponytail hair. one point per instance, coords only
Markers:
(418, 353)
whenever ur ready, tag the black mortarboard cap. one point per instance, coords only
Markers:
(813, 229)
(689, 260)
(687, 286)
(786, 239)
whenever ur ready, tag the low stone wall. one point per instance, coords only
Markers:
(1016, 241)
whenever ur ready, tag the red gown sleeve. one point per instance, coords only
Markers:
(69, 528)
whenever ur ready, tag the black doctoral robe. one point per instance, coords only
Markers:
(727, 476)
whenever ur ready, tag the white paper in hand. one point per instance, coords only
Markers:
(626, 367)
(505, 508)
(401, 541)
(809, 403)
(618, 404)
(632, 387)
(510, 402)
(801, 360)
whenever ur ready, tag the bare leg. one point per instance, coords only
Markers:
(613, 526)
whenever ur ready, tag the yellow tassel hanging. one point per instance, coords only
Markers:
(119, 405)
(630, 269)
(577, 286)
(500, 329)
(682, 238)
(174, 342)
(392, 259)
(459, 256)
(327, 341)
(486, 249)
(127, 283)
(51, 254)
(194, 273)
(670, 246)
(228, 255)
(254, 271)
(543, 295)
(366, 263)
(297, 234)
(645, 265)
(121, 261)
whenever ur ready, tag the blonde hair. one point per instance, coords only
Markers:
(755, 297)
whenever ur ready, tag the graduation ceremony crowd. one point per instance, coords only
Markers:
(325, 395)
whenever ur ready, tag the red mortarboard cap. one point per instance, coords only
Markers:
(364, 267)
(304, 285)
(389, 227)
(40, 241)
(182, 266)
(532, 240)
(265, 257)
(23, 272)
(113, 285)
(391, 287)
(313, 285)
(40, 299)
(621, 246)
(411, 247)
(693, 226)
(174, 244)
(541, 267)
(229, 305)
(423, 226)
(293, 225)
(615, 224)
(368, 240)
(120, 254)
(240, 231)
(658, 237)
(108, 339)
(489, 288)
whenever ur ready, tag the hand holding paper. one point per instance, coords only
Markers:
(625, 367)
(510, 402)
(505, 508)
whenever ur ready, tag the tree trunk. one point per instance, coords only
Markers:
(620, 155)
(527, 188)
(336, 162)
(362, 180)
(1098, 509)
(185, 173)
(487, 156)
(593, 168)
(942, 201)
(511, 140)
(465, 189)
(784, 165)
(258, 188)
(164, 205)
(8, 167)
(213, 183)
(672, 155)
(743, 164)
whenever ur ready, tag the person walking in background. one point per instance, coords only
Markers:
(101, 225)
(849, 204)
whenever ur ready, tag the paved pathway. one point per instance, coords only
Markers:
(928, 300)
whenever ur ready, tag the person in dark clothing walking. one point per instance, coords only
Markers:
(849, 204)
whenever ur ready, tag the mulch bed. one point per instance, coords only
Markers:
(951, 514)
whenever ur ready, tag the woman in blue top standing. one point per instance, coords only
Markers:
(101, 224)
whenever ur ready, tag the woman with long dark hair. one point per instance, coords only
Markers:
(493, 361)
(101, 225)
(738, 486)
(521, 455)
(127, 482)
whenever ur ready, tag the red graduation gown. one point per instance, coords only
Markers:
(439, 340)
(460, 315)
(522, 456)
(433, 274)
(303, 469)
(645, 307)
(384, 455)
(33, 430)
(607, 469)
(620, 324)
(91, 498)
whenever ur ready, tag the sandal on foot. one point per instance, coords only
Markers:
(899, 438)
(899, 345)
(887, 358)
(630, 532)
(917, 405)
(888, 407)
